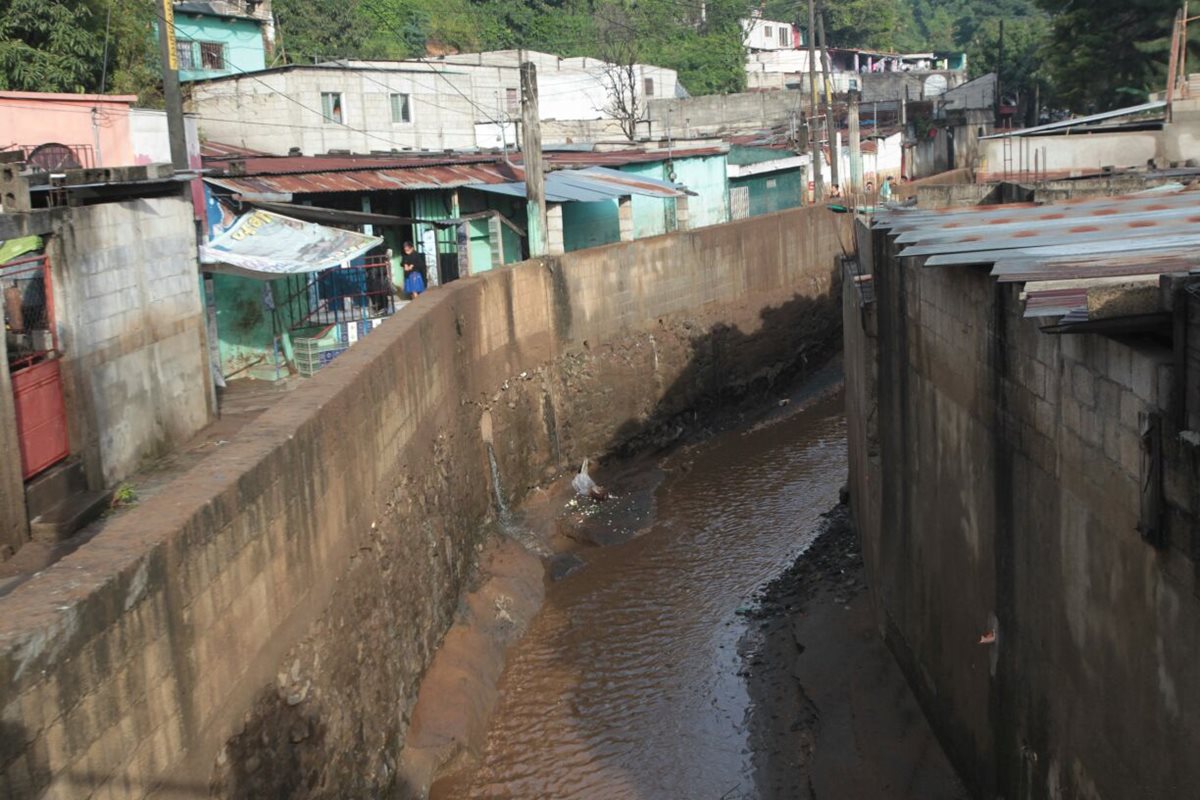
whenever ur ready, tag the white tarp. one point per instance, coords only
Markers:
(263, 244)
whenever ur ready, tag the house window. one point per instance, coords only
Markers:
(212, 55)
(185, 54)
(400, 111)
(331, 107)
(512, 101)
(784, 38)
(649, 84)
(767, 31)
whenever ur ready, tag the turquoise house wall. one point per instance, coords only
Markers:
(705, 176)
(772, 191)
(242, 38)
(590, 224)
(245, 329)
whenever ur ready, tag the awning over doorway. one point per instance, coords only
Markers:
(262, 244)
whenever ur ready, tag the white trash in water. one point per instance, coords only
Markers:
(583, 483)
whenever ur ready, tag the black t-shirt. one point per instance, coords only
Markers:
(418, 263)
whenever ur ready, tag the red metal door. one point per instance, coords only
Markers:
(41, 416)
(33, 363)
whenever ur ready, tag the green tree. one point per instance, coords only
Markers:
(1107, 54)
(308, 29)
(50, 45)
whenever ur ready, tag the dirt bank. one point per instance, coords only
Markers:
(831, 715)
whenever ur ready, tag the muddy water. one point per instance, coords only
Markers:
(627, 684)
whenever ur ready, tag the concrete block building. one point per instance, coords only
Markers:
(106, 362)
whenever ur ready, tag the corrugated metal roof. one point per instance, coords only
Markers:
(1076, 122)
(590, 185)
(425, 176)
(616, 158)
(1092, 241)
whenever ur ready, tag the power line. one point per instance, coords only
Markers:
(288, 97)
(375, 10)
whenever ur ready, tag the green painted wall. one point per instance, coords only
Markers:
(245, 329)
(772, 191)
(242, 39)
(590, 224)
(704, 176)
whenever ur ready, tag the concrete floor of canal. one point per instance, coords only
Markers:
(629, 682)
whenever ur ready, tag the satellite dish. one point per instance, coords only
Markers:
(53, 157)
(935, 85)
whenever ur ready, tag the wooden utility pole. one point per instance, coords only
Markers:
(835, 155)
(171, 94)
(535, 178)
(856, 172)
(814, 143)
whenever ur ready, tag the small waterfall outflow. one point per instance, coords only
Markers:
(497, 489)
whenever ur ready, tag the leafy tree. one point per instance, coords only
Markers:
(1107, 54)
(308, 29)
(862, 23)
(49, 45)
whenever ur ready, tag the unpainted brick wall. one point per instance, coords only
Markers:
(1003, 489)
(127, 299)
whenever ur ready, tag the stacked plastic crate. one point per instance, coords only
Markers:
(312, 353)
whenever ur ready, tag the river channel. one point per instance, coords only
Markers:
(629, 682)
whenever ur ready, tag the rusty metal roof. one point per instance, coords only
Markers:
(421, 175)
(616, 158)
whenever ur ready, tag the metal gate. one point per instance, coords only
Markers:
(33, 364)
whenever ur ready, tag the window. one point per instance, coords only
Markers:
(400, 110)
(784, 38)
(331, 107)
(512, 101)
(649, 84)
(212, 55)
(767, 31)
(185, 54)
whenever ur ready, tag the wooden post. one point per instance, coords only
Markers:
(172, 98)
(855, 146)
(535, 178)
(835, 155)
(814, 143)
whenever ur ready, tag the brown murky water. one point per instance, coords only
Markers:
(627, 684)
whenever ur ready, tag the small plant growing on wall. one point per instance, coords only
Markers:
(125, 495)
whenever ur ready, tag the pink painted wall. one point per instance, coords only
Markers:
(99, 121)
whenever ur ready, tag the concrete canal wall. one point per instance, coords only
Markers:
(1045, 488)
(259, 628)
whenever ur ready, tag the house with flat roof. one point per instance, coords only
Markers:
(222, 37)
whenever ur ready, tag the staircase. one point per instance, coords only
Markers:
(60, 503)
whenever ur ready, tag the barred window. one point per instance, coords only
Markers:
(212, 55)
(185, 54)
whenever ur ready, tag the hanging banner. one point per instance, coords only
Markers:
(262, 245)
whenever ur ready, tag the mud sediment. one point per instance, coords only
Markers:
(831, 714)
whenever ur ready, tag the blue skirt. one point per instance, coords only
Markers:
(414, 283)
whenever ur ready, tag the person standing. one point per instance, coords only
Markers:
(414, 270)
(885, 191)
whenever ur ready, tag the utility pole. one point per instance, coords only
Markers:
(831, 132)
(171, 95)
(814, 144)
(535, 178)
(1000, 71)
(855, 146)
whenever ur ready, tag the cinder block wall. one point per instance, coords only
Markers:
(260, 628)
(127, 299)
(997, 475)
